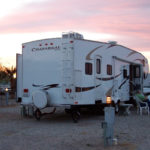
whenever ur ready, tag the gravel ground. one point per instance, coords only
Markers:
(58, 132)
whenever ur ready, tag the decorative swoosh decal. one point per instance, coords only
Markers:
(46, 87)
(131, 53)
(111, 78)
(88, 57)
(83, 89)
(34, 85)
(142, 61)
(123, 82)
(109, 92)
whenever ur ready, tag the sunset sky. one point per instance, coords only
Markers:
(124, 21)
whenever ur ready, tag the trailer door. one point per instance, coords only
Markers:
(124, 83)
(97, 77)
(136, 78)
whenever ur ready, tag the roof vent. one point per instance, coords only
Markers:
(112, 42)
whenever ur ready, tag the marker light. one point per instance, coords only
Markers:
(108, 100)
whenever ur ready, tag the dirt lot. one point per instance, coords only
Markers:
(58, 132)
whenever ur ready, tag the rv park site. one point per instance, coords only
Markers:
(58, 132)
(71, 93)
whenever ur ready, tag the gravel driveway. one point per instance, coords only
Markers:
(58, 132)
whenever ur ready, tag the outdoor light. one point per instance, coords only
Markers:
(14, 75)
(108, 100)
(6, 89)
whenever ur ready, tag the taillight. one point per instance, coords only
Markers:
(68, 90)
(26, 90)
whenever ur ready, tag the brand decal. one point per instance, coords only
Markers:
(46, 48)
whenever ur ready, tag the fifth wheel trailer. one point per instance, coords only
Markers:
(73, 72)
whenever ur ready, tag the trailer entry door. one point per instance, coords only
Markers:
(136, 78)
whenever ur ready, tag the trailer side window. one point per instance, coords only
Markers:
(136, 71)
(88, 68)
(125, 73)
(98, 66)
(109, 69)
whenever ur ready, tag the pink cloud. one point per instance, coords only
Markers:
(117, 17)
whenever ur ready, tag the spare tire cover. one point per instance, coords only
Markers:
(39, 99)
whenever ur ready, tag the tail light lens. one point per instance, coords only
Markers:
(68, 90)
(25, 92)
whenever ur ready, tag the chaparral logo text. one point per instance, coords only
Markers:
(46, 48)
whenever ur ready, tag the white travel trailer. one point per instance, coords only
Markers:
(74, 72)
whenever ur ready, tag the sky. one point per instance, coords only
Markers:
(124, 21)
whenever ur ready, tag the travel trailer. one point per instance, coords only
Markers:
(73, 72)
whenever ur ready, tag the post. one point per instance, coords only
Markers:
(108, 126)
(6, 95)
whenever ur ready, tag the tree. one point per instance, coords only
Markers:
(10, 72)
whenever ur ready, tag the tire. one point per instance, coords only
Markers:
(76, 116)
(37, 114)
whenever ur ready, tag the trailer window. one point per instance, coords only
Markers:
(98, 66)
(109, 69)
(88, 68)
(136, 71)
(125, 73)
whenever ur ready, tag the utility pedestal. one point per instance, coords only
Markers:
(6, 96)
(108, 126)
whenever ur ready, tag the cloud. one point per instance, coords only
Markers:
(117, 17)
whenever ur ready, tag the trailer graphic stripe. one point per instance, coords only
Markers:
(111, 78)
(134, 52)
(88, 57)
(123, 82)
(83, 89)
(142, 61)
(46, 87)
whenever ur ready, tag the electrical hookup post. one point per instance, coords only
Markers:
(108, 126)
(6, 95)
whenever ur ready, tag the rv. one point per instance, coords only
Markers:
(73, 72)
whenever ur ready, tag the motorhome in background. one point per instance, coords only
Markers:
(73, 72)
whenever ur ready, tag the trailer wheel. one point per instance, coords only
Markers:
(38, 114)
(75, 116)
